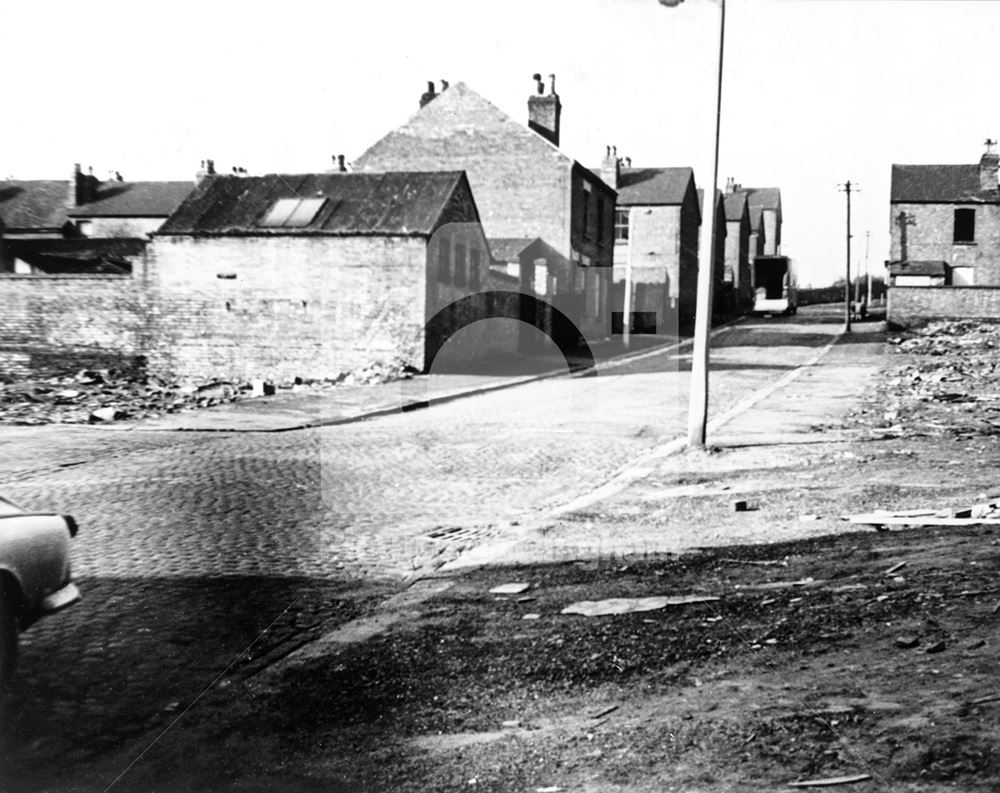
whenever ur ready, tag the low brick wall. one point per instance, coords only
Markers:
(55, 324)
(915, 305)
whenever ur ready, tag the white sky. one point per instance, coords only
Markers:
(815, 92)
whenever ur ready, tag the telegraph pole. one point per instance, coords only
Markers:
(868, 272)
(846, 188)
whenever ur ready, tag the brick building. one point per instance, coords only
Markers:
(945, 223)
(738, 240)
(83, 225)
(311, 275)
(530, 194)
(657, 222)
(765, 204)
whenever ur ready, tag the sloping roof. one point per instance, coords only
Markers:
(388, 204)
(938, 184)
(923, 267)
(736, 205)
(508, 249)
(135, 199)
(653, 186)
(35, 204)
(760, 198)
(719, 198)
(458, 112)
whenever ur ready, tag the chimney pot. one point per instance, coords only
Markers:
(429, 94)
(611, 168)
(340, 163)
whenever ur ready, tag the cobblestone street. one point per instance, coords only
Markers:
(193, 544)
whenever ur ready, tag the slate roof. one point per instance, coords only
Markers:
(718, 197)
(736, 205)
(938, 184)
(134, 199)
(508, 249)
(388, 204)
(456, 112)
(652, 186)
(34, 204)
(760, 198)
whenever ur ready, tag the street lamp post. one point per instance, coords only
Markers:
(698, 405)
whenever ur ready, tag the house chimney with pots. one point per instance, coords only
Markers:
(207, 169)
(429, 94)
(611, 167)
(989, 167)
(341, 167)
(82, 187)
(544, 110)
(730, 186)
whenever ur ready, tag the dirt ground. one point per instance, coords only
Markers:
(854, 653)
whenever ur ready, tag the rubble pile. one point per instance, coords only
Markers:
(946, 382)
(103, 395)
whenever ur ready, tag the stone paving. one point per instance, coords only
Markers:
(195, 546)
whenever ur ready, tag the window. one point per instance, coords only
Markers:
(84, 227)
(965, 225)
(600, 220)
(585, 211)
(621, 225)
(292, 212)
(460, 279)
(475, 259)
(444, 261)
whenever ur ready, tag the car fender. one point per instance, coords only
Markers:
(34, 551)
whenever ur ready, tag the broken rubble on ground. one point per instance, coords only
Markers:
(946, 382)
(105, 395)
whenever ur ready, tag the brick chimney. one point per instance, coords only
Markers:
(611, 167)
(544, 110)
(429, 94)
(989, 167)
(207, 169)
(82, 187)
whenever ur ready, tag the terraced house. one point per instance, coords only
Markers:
(81, 225)
(946, 223)
(657, 221)
(548, 219)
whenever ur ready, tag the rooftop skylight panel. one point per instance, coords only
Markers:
(292, 212)
(305, 212)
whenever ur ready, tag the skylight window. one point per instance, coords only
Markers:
(292, 212)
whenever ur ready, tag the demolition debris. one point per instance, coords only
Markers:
(95, 396)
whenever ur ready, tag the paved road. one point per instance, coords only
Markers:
(192, 544)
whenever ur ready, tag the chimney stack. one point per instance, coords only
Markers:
(82, 187)
(429, 94)
(989, 167)
(75, 179)
(611, 167)
(544, 110)
(207, 169)
(444, 86)
(341, 167)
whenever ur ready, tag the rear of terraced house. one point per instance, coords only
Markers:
(945, 241)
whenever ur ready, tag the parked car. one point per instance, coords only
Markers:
(34, 574)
